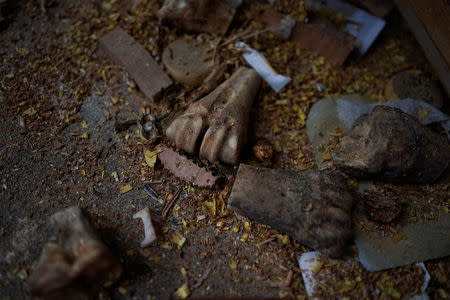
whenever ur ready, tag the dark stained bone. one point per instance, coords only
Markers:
(73, 259)
(221, 116)
(313, 207)
(392, 146)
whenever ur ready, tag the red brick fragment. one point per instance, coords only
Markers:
(125, 51)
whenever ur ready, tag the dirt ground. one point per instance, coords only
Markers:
(60, 101)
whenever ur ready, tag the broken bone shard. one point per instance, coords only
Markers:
(188, 61)
(73, 259)
(313, 207)
(213, 16)
(183, 168)
(393, 146)
(149, 230)
(221, 118)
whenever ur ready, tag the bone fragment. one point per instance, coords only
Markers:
(149, 231)
(313, 207)
(219, 119)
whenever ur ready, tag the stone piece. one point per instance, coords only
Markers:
(219, 119)
(393, 146)
(74, 260)
(125, 51)
(313, 207)
(279, 24)
(188, 61)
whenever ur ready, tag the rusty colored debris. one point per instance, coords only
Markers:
(279, 24)
(125, 51)
(181, 167)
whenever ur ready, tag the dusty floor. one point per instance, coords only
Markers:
(59, 104)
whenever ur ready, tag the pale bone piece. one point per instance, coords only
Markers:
(149, 230)
(221, 117)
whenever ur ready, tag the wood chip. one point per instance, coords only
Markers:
(125, 51)
(183, 168)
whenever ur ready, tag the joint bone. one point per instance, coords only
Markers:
(221, 118)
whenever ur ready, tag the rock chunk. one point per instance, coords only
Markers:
(74, 261)
(393, 146)
(313, 207)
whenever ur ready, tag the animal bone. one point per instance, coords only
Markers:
(313, 207)
(74, 259)
(149, 231)
(221, 116)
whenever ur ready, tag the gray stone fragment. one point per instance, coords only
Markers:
(392, 146)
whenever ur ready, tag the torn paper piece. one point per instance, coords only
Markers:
(362, 25)
(262, 67)
(346, 277)
(149, 230)
(350, 111)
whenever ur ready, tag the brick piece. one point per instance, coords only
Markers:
(125, 51)
(322, 37)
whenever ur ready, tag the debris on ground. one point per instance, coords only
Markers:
(219, 120)
(2, 3)
(181, 167)
(322, 37)
(382, 206)
(281, 25)
(419, 233)
(149, 230)
(123, 50)
(212, 81)
(410, 85)
(188, 61)
(359, 23)
(390, 145)
(147, 128)
(263, 151)
(213, 16)
(343, 278)
(324, 123)
(313, 207)
(74, 260)
(259, 63)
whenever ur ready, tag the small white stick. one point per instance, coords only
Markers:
(149, 231)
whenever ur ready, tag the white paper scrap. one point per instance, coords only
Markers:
(262, 67)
